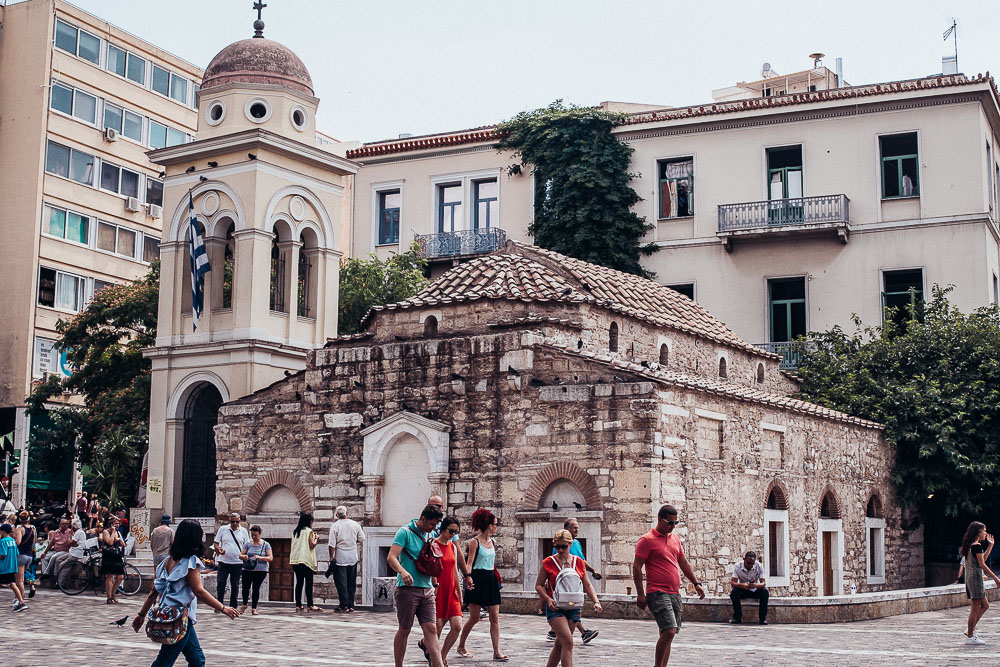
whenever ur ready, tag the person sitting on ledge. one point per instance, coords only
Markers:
(748, 582)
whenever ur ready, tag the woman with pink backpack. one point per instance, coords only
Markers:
(563, 584)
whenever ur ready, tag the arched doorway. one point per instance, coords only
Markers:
(201, 414)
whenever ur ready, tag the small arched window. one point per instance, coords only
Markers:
(228, 269)
(723, 370)
(829, 506)
(874, 509)
(613, 337)
(776, 499)
(430, 326)
(760, 373)
(664, 354)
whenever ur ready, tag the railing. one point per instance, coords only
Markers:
(780, 212)
(465, 242)
(790, 356)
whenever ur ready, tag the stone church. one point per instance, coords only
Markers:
(525, 381)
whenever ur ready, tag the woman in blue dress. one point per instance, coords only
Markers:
(178, 580)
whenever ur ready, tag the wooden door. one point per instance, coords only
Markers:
(280, 576)
(828, 563)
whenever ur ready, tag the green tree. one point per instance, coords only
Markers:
(583, 200)
(933, 379)
(115, 466)
(373, 282)
(103, 345)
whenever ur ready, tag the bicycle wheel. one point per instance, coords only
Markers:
(73, 578)
(132, 582)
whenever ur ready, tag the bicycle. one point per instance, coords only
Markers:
(77, 576)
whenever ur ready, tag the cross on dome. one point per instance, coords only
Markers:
(258, 25)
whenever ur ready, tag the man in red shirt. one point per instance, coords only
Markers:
(660, 552)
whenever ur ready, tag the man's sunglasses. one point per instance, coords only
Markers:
(672, 523)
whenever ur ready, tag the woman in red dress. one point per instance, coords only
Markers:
(449, 593)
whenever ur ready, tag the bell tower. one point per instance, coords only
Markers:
(274, 212)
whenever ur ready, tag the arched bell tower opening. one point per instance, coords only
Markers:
(201, 414)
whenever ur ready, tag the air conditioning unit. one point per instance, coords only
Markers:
(132, 204)
(155, 211)
(111, 134)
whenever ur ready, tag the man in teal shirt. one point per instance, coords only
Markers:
(8, 564)
(414, 594)
(573, 526)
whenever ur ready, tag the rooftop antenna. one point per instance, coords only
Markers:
(817, 59)
(765, 70)
(953, 32)
(258, 25)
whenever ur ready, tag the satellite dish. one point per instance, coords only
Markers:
(765, 70)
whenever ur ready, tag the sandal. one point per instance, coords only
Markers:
(254, 612)
(315, 608)
(500, 658)
(299, 609)
(464, 653)
(420, 645)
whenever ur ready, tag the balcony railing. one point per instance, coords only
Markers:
(763, 215)
(456, 244)
(790, 356)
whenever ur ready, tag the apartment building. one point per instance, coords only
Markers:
(81, 102)
(781, 212)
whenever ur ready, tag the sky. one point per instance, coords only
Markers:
(386, 67)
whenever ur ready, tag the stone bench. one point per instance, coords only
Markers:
(833, 609)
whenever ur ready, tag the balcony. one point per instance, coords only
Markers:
(829, 214)
(790, 356)
(465, 243)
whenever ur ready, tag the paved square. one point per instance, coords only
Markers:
(60, 630)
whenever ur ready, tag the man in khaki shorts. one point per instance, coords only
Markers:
(660, 552)
(414, 593)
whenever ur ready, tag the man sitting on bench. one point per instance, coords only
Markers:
(748, 582)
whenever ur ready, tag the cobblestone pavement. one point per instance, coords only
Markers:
(61, 630)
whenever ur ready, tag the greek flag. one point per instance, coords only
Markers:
(199, 264)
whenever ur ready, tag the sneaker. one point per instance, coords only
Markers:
(735, 621)
(763, 622)
(19, 606)
(969, 641)
(551, 636)
(588, 635)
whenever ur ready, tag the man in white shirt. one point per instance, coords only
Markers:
(346, 536)
(748, 582)
(77, 548)
(229, 542)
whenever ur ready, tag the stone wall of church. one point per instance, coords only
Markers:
(630, 445)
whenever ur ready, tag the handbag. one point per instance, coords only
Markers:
(166, 624)
(429, 560)
(251, 563)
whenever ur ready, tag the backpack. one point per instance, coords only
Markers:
(568, 588)
(429, 561)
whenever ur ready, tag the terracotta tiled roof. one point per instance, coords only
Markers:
(525, 273)
(718, 387)
(488, 133)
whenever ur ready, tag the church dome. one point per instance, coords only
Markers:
(258, 61)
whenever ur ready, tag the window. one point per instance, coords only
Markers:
(776, 538)
(450, 207)
(664, 354)
(161, 136)
(117, 60)
(154, 191)
(989, 176)
(178, 88)
(277, 278)
(388, 216)
(487, 205)
(99, 285)
(430, 326)
(901, 289)
(161, 80)
(787, 306)
(119, 240)
(67, 225)
(150, 248)
(119, 180)
(60, 290)
(136, 69)
(78, 42)
(613, 337)
(125, 122)
(61, 98)
(69, 163)
(899, 165)
(723, 368)
(760, 373)
(687, 289)
(829, 506)
(676, 187)
(996, 290)
(875, 528)
(784, 172)
(304, 278)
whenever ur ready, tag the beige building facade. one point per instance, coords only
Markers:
(82, 101)
(780, 213)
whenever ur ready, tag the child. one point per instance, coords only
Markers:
(8, 564)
